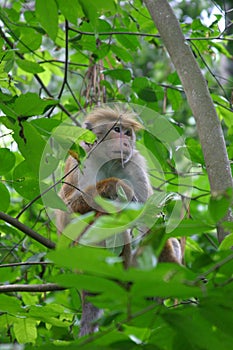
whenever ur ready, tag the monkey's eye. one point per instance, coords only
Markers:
(128, 132)
(117, 129)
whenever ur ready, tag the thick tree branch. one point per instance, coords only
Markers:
(49, 287)
(198, 96)
(27, 230)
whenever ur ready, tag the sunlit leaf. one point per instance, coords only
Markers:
(5, 197)
(47, 13)
(7, 160)
(119, 74)
(29, 66)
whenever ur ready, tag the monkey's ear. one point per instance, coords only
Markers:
(88, 125)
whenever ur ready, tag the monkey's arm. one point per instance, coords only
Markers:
(107, 188)
(171, 251)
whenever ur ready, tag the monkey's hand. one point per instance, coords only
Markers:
(111, 188)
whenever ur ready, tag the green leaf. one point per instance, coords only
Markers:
(70, 9)
(93, 284)
(53, 314)
(47, 14)
(219, 204)
(51, 198)
(5, 197)
(189, 227)
(136, 334)
(30, 104)
(89, 259)
(226, 115)
(175, 98)
(29, 66)
(119, 74)
(25, 330)
(30, 144)
(25, 181)
(10, 304)
(165, 280)
(93, 8)
(121, 53)
(195, 151)
(227, 243)
(45, 125)
(7, 160)
(30, 40)
(130, 42)
(143, 88)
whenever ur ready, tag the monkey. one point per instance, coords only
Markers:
(112, 164)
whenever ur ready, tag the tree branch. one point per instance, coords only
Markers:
(49, 287)
(27, 230)
(198, 96)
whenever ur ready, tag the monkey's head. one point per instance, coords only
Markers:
(114, 128)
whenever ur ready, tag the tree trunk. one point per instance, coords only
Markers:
(198, 96)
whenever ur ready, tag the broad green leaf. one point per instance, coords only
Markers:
(53, 314)
(30, 104)
(51, 198)
(195, 151)
(5, 197)
(175, 98)
(219, 204)
(136, 334)
(198, 332)
(25, 181)
(70, 9)
(130, 42)
(212, 310)
(66, 135)
(47, 14)
(30, 40)
(93, 284)
(165, 280)
(158, 149)
(30, 144)
(89, 259)
(7, 274)
(119, 74)
(121, 53)
(25, 330)
(93, 8)
(7, 160)
(29, 66)
(7, 105)
(227, 243)
(226, 115)
(45, 125)
(144, 90)
(10, 304)
(48, 165)
(189, 227)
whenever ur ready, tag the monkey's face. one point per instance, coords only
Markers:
(118, 140)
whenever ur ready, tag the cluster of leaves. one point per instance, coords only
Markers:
(59, 57)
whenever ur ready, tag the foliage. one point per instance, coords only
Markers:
(58, 59)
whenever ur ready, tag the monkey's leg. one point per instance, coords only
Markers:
(90, 314)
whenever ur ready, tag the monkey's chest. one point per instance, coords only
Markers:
(112, 169)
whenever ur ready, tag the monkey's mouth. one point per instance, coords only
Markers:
(122, 154)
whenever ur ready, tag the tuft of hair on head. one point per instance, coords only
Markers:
(106, 114)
